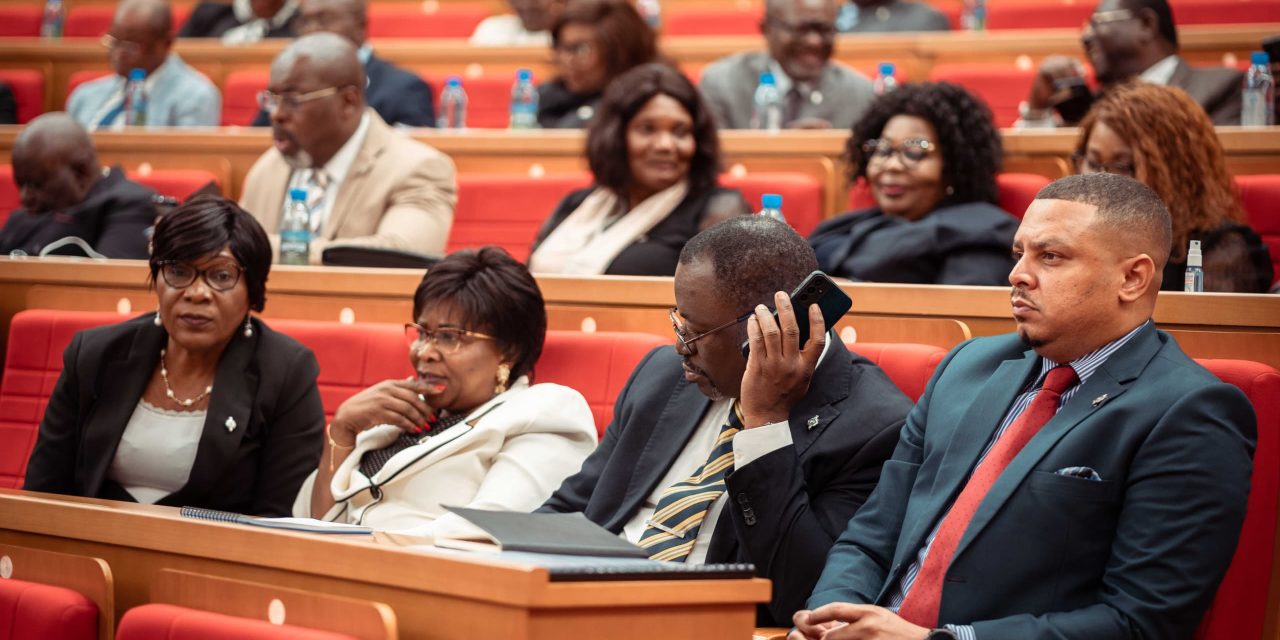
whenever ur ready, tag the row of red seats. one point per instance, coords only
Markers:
(459, 21)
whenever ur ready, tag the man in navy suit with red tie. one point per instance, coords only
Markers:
(1082, 478)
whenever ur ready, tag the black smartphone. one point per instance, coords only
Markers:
(817, 288)
(1077, 98)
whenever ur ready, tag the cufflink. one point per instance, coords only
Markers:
(230, 424)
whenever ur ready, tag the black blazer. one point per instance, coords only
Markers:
(212, 19)
(113, 218)
(399, 96)
(266, 384)
(786, 508)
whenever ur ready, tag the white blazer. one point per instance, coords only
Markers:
(508, 454)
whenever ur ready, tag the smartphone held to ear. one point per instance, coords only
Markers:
(818, 288)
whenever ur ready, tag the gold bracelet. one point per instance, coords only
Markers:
(333, 444)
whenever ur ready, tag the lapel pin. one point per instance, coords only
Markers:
(230, 424)
(813, 422)
(1099, 400)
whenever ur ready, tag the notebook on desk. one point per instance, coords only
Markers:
(309, 525)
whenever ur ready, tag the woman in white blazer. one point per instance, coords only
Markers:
(469, 429)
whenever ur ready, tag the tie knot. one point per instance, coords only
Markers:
(320, 178)
(1060, 378)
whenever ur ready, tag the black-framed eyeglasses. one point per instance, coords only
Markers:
(575, 50)
(911, 151)
(222, 276)
(677, 325)
(1085, 164)
(824, 30)
(447, 340)
(291, 100)
(111, 43)
(1107, 17)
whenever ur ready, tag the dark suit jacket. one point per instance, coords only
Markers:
(212, 19)
(8, 105)
(1137, 554)
(784, 509)
(266, 384)
(1218, 89)
(112, 218)
(399, 96)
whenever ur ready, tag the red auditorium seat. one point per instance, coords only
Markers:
(1261, 197)
(1038, 15)
(169, 622)
(1241, 604)
(80, 77)
(35, 611)
(9, 196)
(488, 97)
(409, 21)
(20, 21)
(28, 90)
(1225, 11)
(240, 96)
(506, 209)
(802, 197)
(700, 21)
(598, 365)
(1014, 192)
(1001, 86)
(909, 366)
(175, 183)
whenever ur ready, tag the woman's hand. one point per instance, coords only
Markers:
(397, 402)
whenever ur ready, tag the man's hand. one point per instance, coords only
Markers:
(778, 370)
(843, 621)
(1044, 90)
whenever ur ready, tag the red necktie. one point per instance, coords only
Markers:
(922, 602)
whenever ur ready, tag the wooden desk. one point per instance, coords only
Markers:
(435, 594)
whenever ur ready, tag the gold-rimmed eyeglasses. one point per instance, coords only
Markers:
(911, 151)
(677, 325)
(112, 43)
(291, 100)
(447, 340)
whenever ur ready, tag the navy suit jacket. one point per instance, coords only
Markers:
(1136, 554)
(399, 96)
(784, 509)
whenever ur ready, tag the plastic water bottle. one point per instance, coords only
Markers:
(55, 15)
(771, 207)
(885, 82)
(651, 11)
(1258, 108)
(974, 15)
(767, 113)
(135, 99)
(524, 101)
(1194, 280)
(295, 230)
(453, 105)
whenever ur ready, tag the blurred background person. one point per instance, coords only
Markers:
(655, 157)
(141, 37)
(593, 42)
(469, 428)
(8, 105)
(882, 16)
(199, 404)
(400, 97)
(1161, 137)
(65, 192)
(930, 154)
(529, 25)
(818, 92)
(242, 21)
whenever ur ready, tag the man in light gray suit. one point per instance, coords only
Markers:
(140, 37)
(818, 93)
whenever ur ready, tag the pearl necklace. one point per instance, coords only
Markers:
(164, 375)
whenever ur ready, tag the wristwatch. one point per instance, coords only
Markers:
(941, 634)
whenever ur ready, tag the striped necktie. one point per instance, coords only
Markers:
(317, 185)
(673, 527)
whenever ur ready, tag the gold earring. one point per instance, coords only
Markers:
(504, 372)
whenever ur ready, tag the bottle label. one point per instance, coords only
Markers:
(295, 247)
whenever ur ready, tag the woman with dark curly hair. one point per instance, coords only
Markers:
(930, 154)
(1162, 137)
(655, 156)
(592, 42)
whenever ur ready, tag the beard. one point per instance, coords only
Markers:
(1028, 341)
(299, 160)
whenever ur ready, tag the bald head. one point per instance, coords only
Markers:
(54, 163)
(319, 83)
(347, 18)
(325, 57)
(153, 15)
(141, 35)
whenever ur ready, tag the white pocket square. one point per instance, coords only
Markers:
(1084, 473)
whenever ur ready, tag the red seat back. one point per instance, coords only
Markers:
(1014, 192)
(1038, 15)
(1261, 198)
(20, 21)
(710, 21)
(169, 622)
(507, 209)
(488, 97)
(409, 21)
(1240, 606)
(1225, 11)
(9, 194)
(88, 21)
(240, 96)
(28, 91)
(175, 183)
(909, 366)
(802, 198)
(1001, 86)
(598, 365)
(33, 611)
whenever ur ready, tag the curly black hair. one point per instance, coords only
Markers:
(967, 135)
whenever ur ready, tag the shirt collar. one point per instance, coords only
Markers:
(1161, 72)
(338, 166)
(364, 53)
(784, 81)
(1087, 364)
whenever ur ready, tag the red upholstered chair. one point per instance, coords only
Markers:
(1038, 15)
(1001, 86)
(168, 622)
(1225, 11)
(46, 594)
(507, 209)
(351, 356)
(802, 198)
(9, 194)
(20, 21)
(28, 90)
(88, 21)
(1015, 191)
(240, 96)
(409, 21)
(80, 77)
(710, 21)
(176, 183)
(909, 366)
(1261, 197)
(598, 365)
(488, 97)
(1240, 607)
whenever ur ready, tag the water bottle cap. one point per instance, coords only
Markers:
(771, 201)
(137, 74)
(767, 78)
(298, 195)
(454, 81)
(886, 68)
(524, 75)
(1259, 57)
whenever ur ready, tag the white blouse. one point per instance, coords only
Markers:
(156, 452)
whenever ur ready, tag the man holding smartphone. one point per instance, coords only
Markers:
(716, 457)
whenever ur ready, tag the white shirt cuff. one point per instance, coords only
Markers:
(750, 444)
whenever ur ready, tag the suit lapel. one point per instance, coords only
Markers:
(120, 388)
(357, 178)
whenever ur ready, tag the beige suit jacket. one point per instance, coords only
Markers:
(398, 194)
